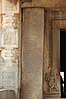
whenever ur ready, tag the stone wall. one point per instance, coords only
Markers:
(9, 47)
(45, 3)
(54, 15)
(51, 3)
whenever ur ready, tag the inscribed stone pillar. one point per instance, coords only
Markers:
(32, 53)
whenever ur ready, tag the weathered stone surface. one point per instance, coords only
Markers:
(45, 3)
(10, 6)
(16, 23)
(8, 72)
(52, 55)
(32, 53)
(9, 38)
(7, 21)
(52, 52)
(0, 6)
(0, 21)
(8, 80)
(32, 49)
(9, 56)
(7, 94)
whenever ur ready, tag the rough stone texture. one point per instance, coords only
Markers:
(45, 3)
(7, 21)
(9, 38)
(16, 19)
(7, 94)
(9, 53)
(0, 14)
(51, 3)
(55, 19)
(10, 6)
(0, 21)
(32, 53)
(53, 24)
(0, 6)
(33, 39)
(51, 56)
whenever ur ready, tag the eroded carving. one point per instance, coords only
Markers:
(10, 6)
(9, 38)
(16, 22)
(51, 78)
(51, 71)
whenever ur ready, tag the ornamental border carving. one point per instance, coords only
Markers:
(55, 19)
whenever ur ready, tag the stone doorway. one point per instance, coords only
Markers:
(41, 52)
(55, 20)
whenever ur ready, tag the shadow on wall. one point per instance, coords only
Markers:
(23, 1)
(7, 94)
(13, 1)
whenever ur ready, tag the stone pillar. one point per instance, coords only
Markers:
(32, 53)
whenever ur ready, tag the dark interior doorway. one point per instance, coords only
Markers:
(63, 62)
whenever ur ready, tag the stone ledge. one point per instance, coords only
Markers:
(51, 95)
(35, 4)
